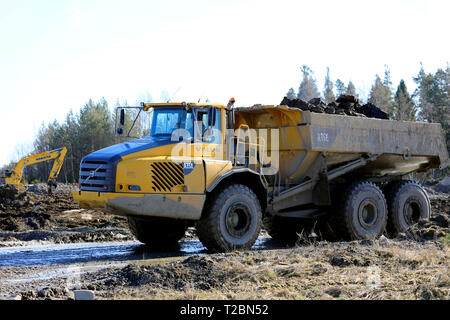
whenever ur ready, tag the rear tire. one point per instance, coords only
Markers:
(160, 233)
(362, 213)
(232, 219)
(408, 203)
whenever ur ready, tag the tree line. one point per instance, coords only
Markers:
(82, 133)
(92, 128)
(429, 102)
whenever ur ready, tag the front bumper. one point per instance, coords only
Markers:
(177, 206)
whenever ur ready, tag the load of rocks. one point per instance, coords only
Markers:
(344, 105)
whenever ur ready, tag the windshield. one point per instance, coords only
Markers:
(165, 121)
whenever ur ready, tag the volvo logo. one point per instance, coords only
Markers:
(91, 174)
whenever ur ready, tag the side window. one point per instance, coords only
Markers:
(189, 123)
(201, 124)
(207, 133)
(213, 133)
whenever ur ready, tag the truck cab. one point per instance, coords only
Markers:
(163, 180)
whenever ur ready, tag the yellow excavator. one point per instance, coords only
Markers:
(14, 176)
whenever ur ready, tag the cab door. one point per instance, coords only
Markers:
(208, 134)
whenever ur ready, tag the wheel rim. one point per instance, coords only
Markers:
(412, 211)
(237, 220)
(368, 214)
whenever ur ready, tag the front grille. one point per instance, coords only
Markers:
(166, 175)
(96, 176)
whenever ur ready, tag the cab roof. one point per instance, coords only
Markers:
(181, 104)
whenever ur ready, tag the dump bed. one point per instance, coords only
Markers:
(336, 133)
(399, 147)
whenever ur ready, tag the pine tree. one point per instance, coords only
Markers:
(308, 87)
(351, 90)
(381, 95)
(340, 88)
(328, 93)
(387, 77)
(291, 94)
(432, 96)
(387, 83)
(404, 107)
(72, 143)
(96, 126)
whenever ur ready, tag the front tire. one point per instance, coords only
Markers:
(232, 219)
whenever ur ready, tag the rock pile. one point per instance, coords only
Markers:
(344, 105)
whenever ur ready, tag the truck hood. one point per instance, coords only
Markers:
(115, 152)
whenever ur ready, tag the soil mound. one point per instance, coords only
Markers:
(198, 272)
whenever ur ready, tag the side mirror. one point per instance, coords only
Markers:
(211, 117)
(122, 117)
(119, 131)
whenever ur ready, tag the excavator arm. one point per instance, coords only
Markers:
(15, 176)
(57, 165)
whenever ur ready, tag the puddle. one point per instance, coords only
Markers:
(71, 253)
(72, 272)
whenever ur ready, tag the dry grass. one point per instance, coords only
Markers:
(331, 271)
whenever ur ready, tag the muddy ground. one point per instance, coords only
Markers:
(353, 270)
(34, 215)
(412, 266)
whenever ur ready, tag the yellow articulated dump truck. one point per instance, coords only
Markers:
(225, 170)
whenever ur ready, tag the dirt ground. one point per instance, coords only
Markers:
(353, 270)
(412, 266)
(34, 215)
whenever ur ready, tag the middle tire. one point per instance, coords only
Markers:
(232, 219)
(362, 213)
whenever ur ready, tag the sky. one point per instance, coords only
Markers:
(56, 55)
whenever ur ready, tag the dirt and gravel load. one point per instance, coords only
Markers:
(344, 105)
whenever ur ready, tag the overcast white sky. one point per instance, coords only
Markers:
(55, 55)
